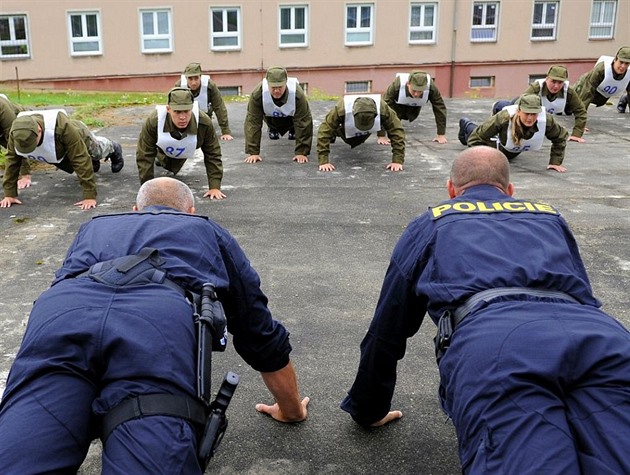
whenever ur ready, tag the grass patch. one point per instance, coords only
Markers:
(85, 105)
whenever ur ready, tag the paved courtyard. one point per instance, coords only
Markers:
(321, 244)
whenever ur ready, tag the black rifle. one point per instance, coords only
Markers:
(212, 336)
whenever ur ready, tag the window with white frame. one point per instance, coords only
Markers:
(293, 26)
(155, 27)
(422, 23)
(545, 19)
(359, 21)
(225, 33)
(85, 33)
(14, 37)
(603, 19)
(484, 22)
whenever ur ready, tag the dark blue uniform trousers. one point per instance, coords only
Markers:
(87, 346)
(539, 388)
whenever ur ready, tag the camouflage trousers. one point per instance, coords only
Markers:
(99, 147)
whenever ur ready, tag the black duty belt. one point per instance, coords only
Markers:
(451, 318)
(155, 405)
(464, 310)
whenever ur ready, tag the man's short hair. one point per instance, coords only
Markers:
(165, 191)
(480, 165)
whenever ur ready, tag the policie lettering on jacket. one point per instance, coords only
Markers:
(490, 207)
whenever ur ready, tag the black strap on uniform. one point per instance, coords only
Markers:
(464, 310)
(451, 318)
(155, 405)
(133, 269)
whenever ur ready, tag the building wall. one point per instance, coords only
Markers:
(325, 64)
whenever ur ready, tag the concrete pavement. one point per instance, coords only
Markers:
(321, 244)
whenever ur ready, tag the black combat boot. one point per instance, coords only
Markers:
(116, 157)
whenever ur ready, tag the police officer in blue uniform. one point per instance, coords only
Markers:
(535, 377)
(91, 344)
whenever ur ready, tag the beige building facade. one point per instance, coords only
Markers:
(472, 48)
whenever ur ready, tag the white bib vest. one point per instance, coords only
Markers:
(270, 108)
(411, 101)
(611, 86)
(46, 151)
(182, 149)
(202, 98)
(535, 143)
(558, 104)
(351, 129)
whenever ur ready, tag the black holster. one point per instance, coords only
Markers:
(442, 339)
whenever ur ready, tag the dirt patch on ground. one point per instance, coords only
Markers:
(124, 116)
(121, 116)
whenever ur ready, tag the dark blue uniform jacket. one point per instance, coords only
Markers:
(196, 250)
(481, 240)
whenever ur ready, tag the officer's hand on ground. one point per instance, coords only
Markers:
(24, 182)
(275, 412)
(253, 159)
(226, 137)
(395, 167)
(300, 158)
(7, 202)
(214, 194)
(574, 138)
(440, 139)
(391, 416)
(326, 167)
(558, 168)
(86, 204)
(383, 141)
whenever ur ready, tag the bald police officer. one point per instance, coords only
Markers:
(98, 340)
(354, 118)
(533, 374)
(207, 95)
(280, 102)
(170, 136)
(50, 136)
(408, 94)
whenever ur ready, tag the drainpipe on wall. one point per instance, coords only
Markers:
(262, 37)
(17, 83)
(453, 50)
